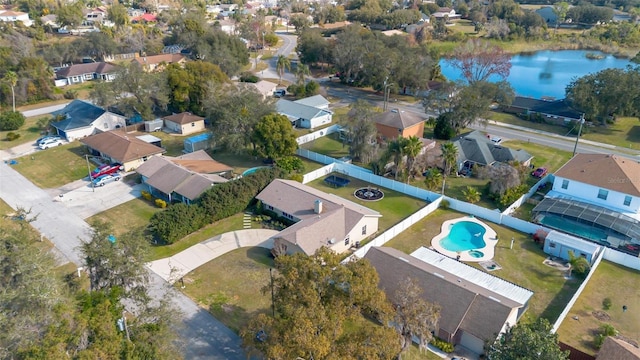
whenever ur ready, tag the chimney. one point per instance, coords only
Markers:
(317, 206)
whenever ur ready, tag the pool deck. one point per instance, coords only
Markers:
(489, 239)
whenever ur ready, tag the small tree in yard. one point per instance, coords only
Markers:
(415, 317)
(433, 179)
(579, 265)
(471, 194)
(527, 341)
(11, 120)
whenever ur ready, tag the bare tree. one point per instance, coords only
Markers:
(503, 177)
(479, 59)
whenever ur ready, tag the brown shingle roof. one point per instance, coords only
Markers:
(200, 162)
(90, 68)
(611, 172)
(120, 146)
(463, 305)
(183, 118)
(618, 349)
(398, 119)
(157, 59)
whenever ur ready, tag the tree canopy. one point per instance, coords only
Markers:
(360, 132)
(527, 341)
(478, 60)
(274, 137)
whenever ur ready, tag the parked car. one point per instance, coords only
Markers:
(105, 179)
(280, 93)
(46, 137)
(51, 142)
(106, 169)
(539, 172)
(495, 139)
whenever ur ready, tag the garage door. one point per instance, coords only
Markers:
(472, 343)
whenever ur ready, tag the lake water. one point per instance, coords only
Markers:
(547, 73)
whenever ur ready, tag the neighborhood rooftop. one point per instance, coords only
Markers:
(398, 119)
(295, 110)
(317, 101)
(472, 275)
(477, 148)
(606, 171)
(121, 146)
(77, 114)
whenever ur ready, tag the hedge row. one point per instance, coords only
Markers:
(219, 202)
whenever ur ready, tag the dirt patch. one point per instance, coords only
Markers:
(601, 315)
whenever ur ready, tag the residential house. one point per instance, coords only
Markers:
(394, 123)
(182, 179)
(475, 148)
(50, 20)
(446, 13)
(474, 306)
(552, 111)
(159, 62)
(96, 16)
(118, 146)
(615, 348)
(303, 116)
(317, 101)
(265, 88)
(227, 26)
(184, 123)
(80, 118)
(319, 219)
(79, 73)
(144, 18)
(119, 57)
(13, 16)
(560, 244)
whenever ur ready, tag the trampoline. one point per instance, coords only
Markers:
(336, 181)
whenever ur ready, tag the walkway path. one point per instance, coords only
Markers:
(179, 265)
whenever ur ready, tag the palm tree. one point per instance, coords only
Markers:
(449, 156)
(412, 148)
(302, 70)
(433, 179)
(12, 78)
(282, 64)
(471, 194)
(397, 151)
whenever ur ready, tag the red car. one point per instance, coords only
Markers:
(539, 172)
(106, 169)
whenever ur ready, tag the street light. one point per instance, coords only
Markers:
(575, 147)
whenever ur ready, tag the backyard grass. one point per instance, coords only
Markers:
(230, 286)
(328, 145)
(622, 286)
(132, 215)
(524, 211)
(55, 166)
(174, 144)
(394, 206)
(521, 265)
(28, 132)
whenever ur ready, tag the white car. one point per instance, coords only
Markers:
(105, 179)
(51, 142)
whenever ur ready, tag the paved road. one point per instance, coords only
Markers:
(203, 336)
(288, 47)
(43, 110)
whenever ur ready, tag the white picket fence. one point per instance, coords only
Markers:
(318, 134)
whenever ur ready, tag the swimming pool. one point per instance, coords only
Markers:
(573, 227)
(463, 236)
(252, 170)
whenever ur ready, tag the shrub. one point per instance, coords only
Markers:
(444, 204)
(249, 77)
(604, 331)
(146, 195)
(11, 120)
(443, 129)
(177, 222)
(442, 345)
(606, 303)
(70, 94)
(161, 203)
(12, 136)
(312, 88)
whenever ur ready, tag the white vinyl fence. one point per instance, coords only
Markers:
(322, 159)
(522, 199)
(621, 258)
(317, 134)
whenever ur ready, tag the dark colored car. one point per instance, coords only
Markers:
(106, 169)
(539, 172)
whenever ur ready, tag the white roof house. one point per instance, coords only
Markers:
(303, 116)
(317, 101)
(13, 16)
(559, 244)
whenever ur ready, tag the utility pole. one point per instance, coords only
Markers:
(93, 186)
(126, 329)
(385, 93)
(575, 147)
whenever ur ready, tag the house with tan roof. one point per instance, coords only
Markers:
(602, 193)
(79, 73)
(184, 178)
(618, 349)
(475, 307)
(394, 123)
(264, 87)
(184, 123)
(320, 219)
(118, 146)
(159, 62)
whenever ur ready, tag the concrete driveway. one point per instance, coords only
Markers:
(174, 267)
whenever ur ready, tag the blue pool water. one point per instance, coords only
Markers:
(476, 254)
(252, 170)
(464, 235)
(573, 227)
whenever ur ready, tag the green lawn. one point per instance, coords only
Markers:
(394, 206)
(328, 145)
(133, 214)
(622, 286)
(29, 132)
(174, 144)
(522, 265)
(544, 156)
(54, 167)
(230, 286)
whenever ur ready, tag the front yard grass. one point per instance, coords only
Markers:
(230, 286)
(521, 265)
(543, 156)
(132, 215)
(29, 132)
(55, 166)
(394, 206)
(622, 286)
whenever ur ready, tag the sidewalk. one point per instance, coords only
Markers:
(182, 263)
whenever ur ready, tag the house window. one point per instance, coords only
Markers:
(364, 230)
(106, 125)
(627, 200)
(565, 184)
(602, 194)
(552, 245)
(583, 255)
(269, 207)
(346, 240)
(193, 124)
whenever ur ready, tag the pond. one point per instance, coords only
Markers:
(547, 73)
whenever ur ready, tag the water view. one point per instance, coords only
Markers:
(547, 73)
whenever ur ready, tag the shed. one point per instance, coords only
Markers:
(153, 125)
(198, 142)
(150, 139)
(559, 244)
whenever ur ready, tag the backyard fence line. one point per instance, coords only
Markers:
(522, 199)
(395, 230)
(314, 156)
(325, 170)
(621, 258)
(317, 134)
(576, 295)
(468, 208)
